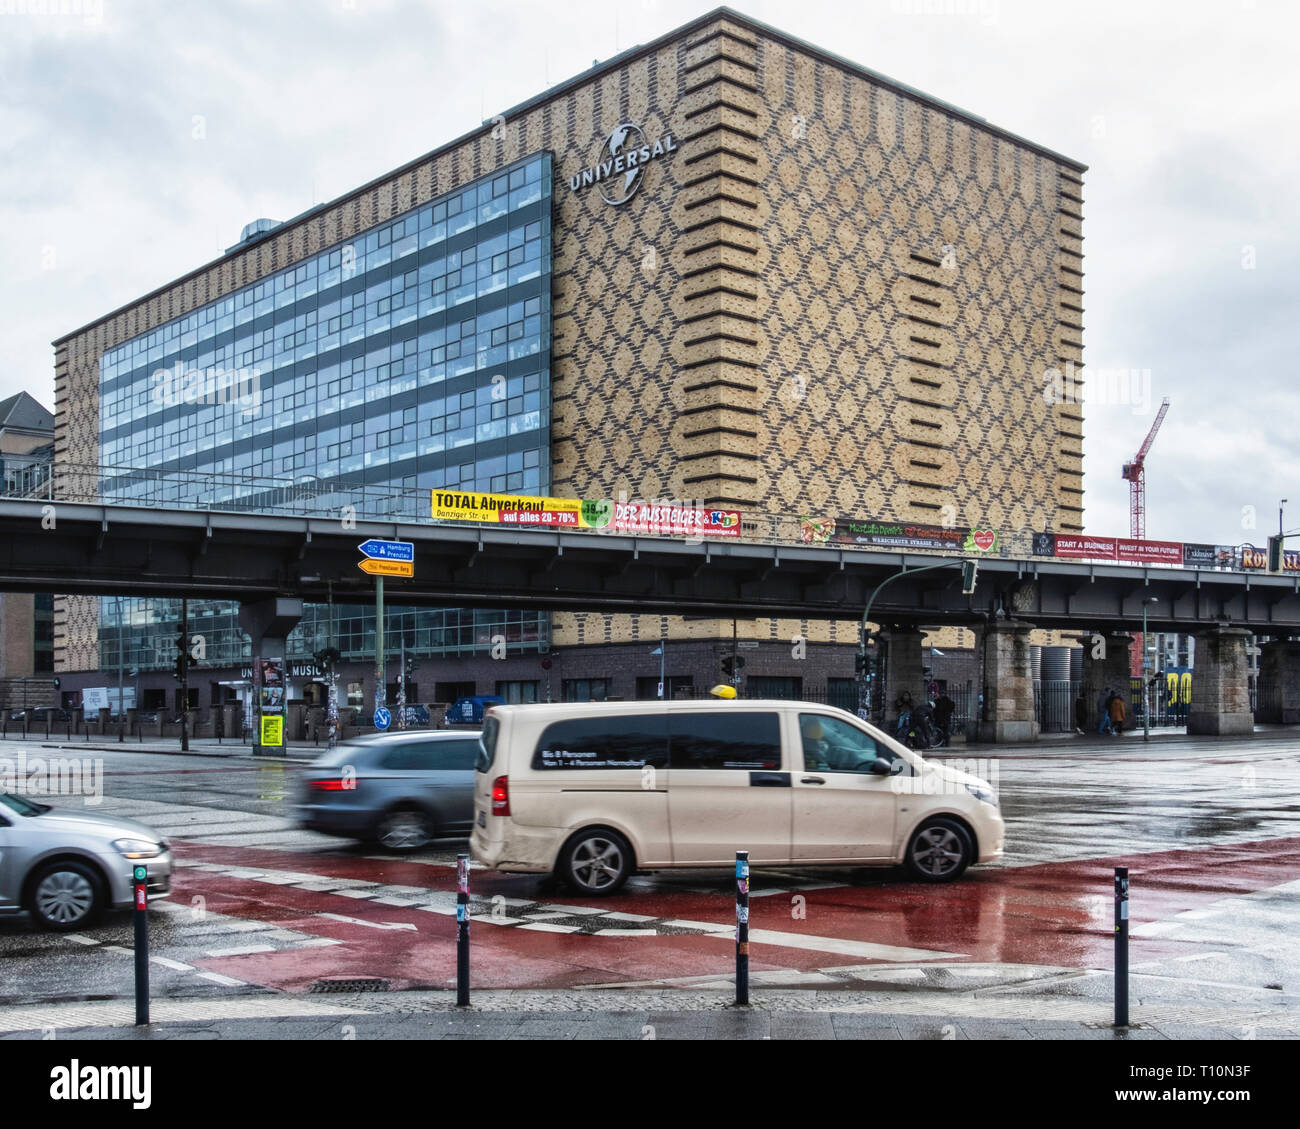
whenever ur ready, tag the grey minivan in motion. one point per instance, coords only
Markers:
(401, 790)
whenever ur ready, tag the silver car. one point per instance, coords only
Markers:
(67, 867)
(401, 790)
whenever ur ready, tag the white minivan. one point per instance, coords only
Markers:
(598, 791)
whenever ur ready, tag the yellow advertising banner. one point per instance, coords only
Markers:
(507, 509)
(272, 729)
(674, 519)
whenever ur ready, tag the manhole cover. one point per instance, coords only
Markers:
(350, 984)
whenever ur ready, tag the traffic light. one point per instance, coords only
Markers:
(182, 654)
(732, 665)
(327, 658)
(969, 569)
(859, 664)
(1275, 554)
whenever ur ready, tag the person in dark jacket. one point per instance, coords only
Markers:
(943, 711)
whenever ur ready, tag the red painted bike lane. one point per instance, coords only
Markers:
(1049, 914)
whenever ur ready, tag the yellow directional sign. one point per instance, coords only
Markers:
(387, 568)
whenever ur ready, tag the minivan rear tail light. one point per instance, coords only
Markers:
(500, 796)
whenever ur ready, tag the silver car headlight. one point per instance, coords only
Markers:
(139, 848)
(982, 792)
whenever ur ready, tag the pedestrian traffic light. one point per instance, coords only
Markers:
(969, 569)
(859, 664)
(1275, 554)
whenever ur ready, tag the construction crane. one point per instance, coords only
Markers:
(1135, 473)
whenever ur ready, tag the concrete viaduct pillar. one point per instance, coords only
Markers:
(268, 623)
(1278, 687)
(904, 669)
(1220, 690)
(1008, 683)
(1108, 670)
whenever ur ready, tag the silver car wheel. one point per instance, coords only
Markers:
(937, 851)
(404, 831)
(64, 897)
(597, 863)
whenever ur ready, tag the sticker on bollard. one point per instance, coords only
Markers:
(742, 927)
(462, 930)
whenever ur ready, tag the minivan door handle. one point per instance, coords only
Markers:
(769, 780)
(812, 780)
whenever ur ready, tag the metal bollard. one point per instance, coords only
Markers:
(1121, 946)
(462, 930)
(141, 875)
(742, 927)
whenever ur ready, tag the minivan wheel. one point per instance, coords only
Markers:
(404, 829)
(596, 862)
(66, 896)
(940, 851)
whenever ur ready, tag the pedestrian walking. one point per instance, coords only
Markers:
(1103, 707)
(943, 711)
(1117, 714)
(1081, 713)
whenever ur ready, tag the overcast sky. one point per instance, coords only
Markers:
(138, 137)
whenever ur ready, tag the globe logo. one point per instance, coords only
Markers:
(624, 139)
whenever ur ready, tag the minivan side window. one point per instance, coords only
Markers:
(726, 740)
(831, 744)
(622, 741)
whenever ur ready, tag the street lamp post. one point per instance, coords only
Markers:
(1146, 695)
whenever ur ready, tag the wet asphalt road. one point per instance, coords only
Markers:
(1211, 832)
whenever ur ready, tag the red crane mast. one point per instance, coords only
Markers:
(1135, 472)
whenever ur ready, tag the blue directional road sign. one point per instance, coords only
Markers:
(378, 550)
(382, 718)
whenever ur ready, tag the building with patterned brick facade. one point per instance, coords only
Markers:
(816, 291)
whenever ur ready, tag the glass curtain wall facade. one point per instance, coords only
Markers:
(413, 356)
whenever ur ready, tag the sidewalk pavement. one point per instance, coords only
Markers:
(609, 1014)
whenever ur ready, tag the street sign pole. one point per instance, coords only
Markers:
(381, 693)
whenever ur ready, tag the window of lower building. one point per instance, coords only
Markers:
(679, 686)
(586, 689)
(356, 693)
(843, 693)
(774, 686)
(518, 690)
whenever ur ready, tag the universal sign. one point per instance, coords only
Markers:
(620, 168)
